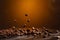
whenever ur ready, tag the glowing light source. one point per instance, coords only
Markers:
(36, 10)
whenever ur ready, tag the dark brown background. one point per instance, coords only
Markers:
(41, 13)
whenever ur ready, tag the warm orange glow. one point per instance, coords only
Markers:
(36, 9)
